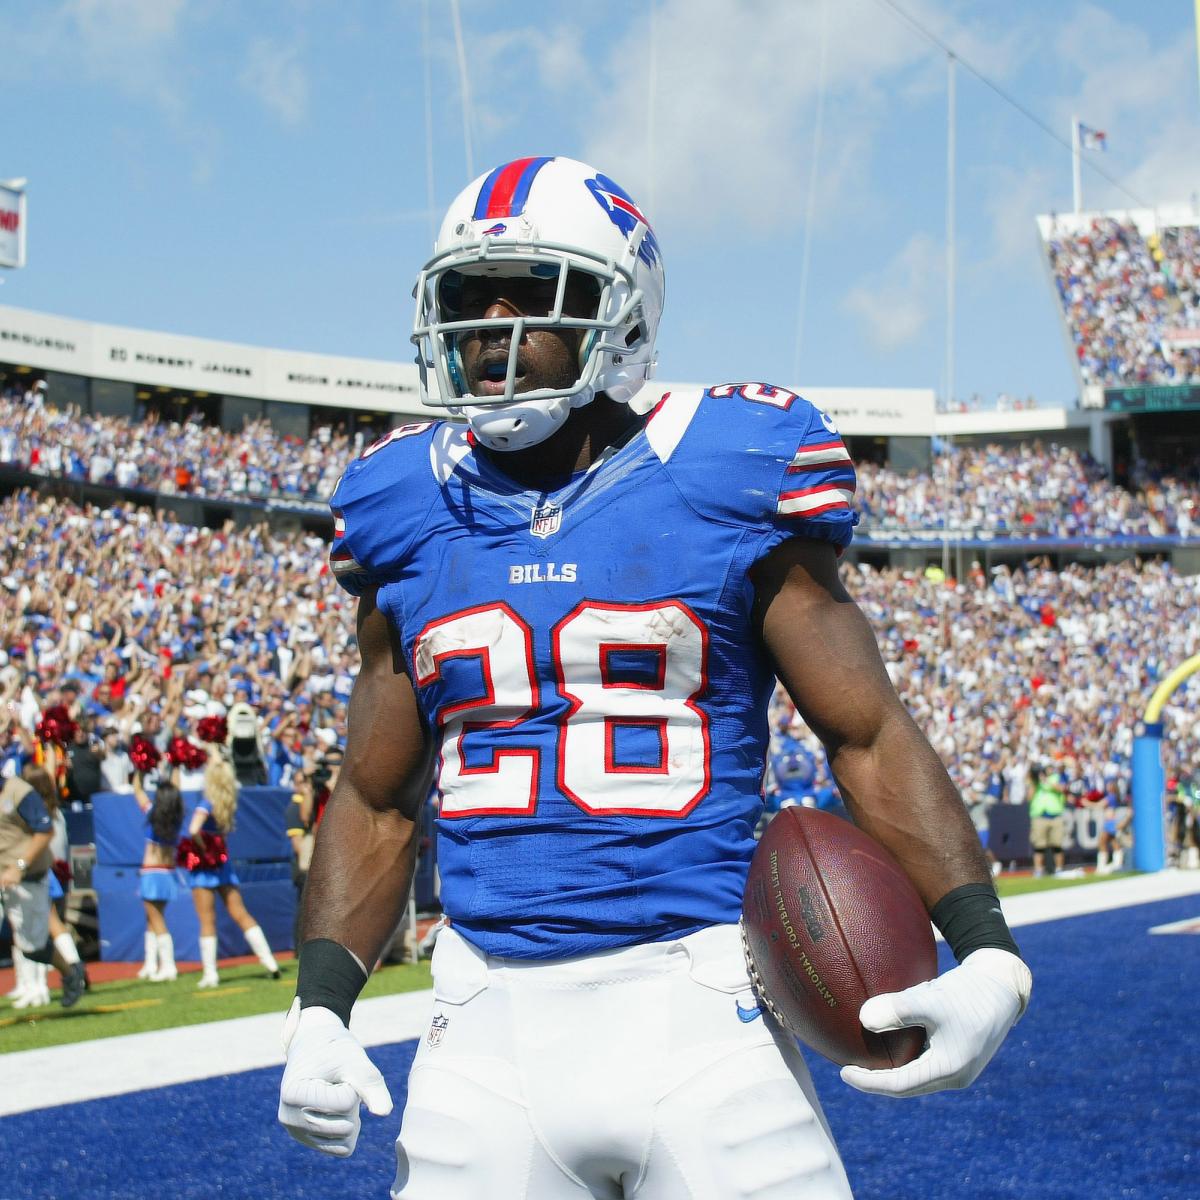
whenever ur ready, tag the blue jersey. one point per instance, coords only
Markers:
(587, 660)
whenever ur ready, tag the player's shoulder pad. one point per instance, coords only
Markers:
(758, 456)
(379, 504)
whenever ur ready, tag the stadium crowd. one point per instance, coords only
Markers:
(143, 625)
(1004, 402)
(1029, 490)
(173, 458)
(1015, 670)
(1124, 296)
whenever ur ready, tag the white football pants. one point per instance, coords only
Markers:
(630, 1073)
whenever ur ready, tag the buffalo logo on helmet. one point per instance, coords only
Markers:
(625, 215)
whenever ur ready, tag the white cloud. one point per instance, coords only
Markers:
(123, 43)
(132, 47)
(1168, 170)
(1132, 88)
(1013, 198)
(274, 73)
(120, 22)
(735, 96)
(737, 91)
(895, 303)
(562, 59)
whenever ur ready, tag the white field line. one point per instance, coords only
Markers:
(33, 1079)
(1188, 926)
(1100, 897)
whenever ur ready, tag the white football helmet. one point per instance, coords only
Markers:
(545, 218)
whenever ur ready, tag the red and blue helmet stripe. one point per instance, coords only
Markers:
(506, 189)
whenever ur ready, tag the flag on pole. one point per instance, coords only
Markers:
(1092, 139)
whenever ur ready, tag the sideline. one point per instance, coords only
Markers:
(34, 1079)
(1087, 898)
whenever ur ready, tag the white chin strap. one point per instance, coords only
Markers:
(519, 425)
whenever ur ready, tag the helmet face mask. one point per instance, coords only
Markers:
(602, 240)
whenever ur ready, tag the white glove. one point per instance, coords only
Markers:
(328, 1074)
(967, 1012)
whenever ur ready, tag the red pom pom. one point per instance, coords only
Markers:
(186, 855)
(143, 753)
(213, 855)
(212, 729)
(183, 753)
(56, 726)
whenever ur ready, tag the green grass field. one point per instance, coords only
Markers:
(1020, 885)
(134, 1006)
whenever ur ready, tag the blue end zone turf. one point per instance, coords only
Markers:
(1094, 1096)
(194, 1141)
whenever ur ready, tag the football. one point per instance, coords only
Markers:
(829, 919)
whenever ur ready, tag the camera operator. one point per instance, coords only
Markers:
(84, 756)
(303, 818)
(244, 741)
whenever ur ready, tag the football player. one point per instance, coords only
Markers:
(572, 611)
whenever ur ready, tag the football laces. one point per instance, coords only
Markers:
(756, 982)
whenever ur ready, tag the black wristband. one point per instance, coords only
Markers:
(970, 919)
(329, 977)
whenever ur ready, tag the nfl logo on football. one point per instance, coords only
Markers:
(545, 521)
(437, 1027)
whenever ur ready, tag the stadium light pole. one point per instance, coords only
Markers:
(1076, 173)
(810, 206)
(651, 94)
(464, 87)
(951, 118)
(426, 57)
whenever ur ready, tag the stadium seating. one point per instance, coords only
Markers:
(1124, 293)
(142, 623)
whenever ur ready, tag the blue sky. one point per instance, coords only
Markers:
(258, 172)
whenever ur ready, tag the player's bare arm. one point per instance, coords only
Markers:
(890, 777)
(898, 791)
(361, 872)
(364, 859)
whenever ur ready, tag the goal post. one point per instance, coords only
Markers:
(1149, 841)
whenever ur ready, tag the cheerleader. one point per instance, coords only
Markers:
(205, 855)
(164, 817)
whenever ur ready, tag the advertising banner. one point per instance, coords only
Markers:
(1186, 338)
(12, 227)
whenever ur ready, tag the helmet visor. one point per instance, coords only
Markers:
(560, 288)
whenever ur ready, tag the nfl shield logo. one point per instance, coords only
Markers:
(436, 1028)
(545, 521)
